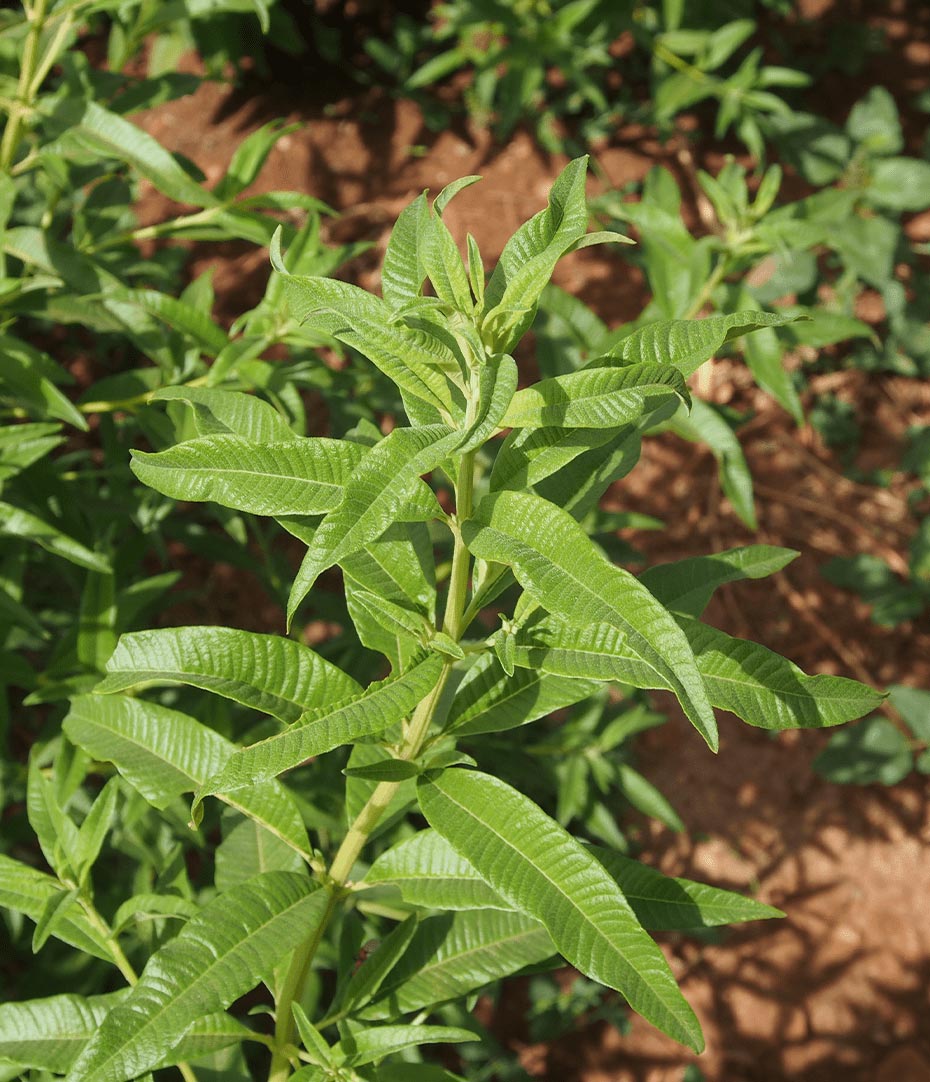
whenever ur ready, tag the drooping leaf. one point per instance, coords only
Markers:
(380, 705)
(298, 477)
(216, 958)
(546, 873)
(269, 673)
(563, 570)
(164, 753)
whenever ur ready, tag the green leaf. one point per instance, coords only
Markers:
(913, 704)
(529, 257)
(195, 325)
(386, 770)
(53, 912)
(26, 890)
(403, 272)
(563, 570)
(458, 953)
(900, 184)
(663, 903)
(269, 673)
(15, 522)
(490, 701)
(95, 128)
(688, 343)
(28, 379)
(95, 828)
(96, 632)
(546, 873)
(374, 970)
(250, 155)
(387, 479)
(497, 384)
(248, 848)
(686, 586)
(430, 873)
(362, 1045)
(221, 411)
(299, 477)
(705, 425)
(217, 957)
(380, 705)
(48, 1034)
(769, 691)
(443, 264)
(529, 455)
(410, 358)
(597, 397)
(163, 753)
(873, 751)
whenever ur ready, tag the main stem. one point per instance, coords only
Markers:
(25, 91)
(370, 815)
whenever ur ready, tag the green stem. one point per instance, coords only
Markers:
(370, 815)
(717, 275)
(123, 964)
(24, 92)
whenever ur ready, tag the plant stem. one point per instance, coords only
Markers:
(123, 964)
(25, 91)
(717, 275)
(368, 818)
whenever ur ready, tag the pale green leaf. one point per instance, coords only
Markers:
(458, 953)
(769, 691)
(217, 957)
(298, 477)
(27, 890)
(380, 705)
(529, 257)
(221, 411)
(15, 522)
(596, 397)
(490, 701)
(385, 481)
(164, 753)
(688, 343)
(411, 359)
(269, 673)
(686, 586)
(402, 272)
(443, 264)
(48, 1034)
(546, 873)
(529, 455)
(369, 1044)
(563, 570)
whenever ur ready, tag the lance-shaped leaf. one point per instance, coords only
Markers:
(705, 425)
(164, 753)
(563, 570)
(430, 873)
(402, 272)
(443, 264)
(382, 704)
(220, 411)
(529, 455)
(546, 873)
(490, 701)
(362, 1045)
(410, 358)
(597, 397)
(458, 953)
(15, 522)
(529, 257)
(688, 343)
(269, 673)
(385, 482)
(497, 383)
(767, 690)
(364, 983)
(31, 892)
(686, 586)
(49, 1034)
(298, 477)
(217, 957)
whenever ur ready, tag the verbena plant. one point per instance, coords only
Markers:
(459, 877)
